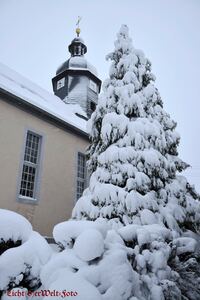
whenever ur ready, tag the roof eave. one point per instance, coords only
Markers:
(39, 112)
(78, 71)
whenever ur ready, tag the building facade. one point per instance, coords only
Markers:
(43, 140)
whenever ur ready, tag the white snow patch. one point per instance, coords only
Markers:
(89, 245)
(35, 252)
(66, 232)
(14, 226)
(69, 282)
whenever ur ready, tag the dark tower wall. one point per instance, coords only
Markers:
(62, 91)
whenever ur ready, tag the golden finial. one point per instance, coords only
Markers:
(78, 28)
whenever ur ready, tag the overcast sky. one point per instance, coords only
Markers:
(35, 34)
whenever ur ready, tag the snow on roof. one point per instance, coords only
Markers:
(81, 62)
(23, 88)
(77, 63)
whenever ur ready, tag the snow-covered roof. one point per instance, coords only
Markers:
(77, 63)
(33, 94)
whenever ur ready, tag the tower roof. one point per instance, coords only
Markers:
(77, 61)
(77, 47)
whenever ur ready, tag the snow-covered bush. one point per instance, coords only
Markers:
(93, 265)
(23, 252)
(16, 231)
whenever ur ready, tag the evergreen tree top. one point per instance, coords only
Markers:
(133, 155)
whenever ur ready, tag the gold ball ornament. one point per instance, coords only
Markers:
(78, 31)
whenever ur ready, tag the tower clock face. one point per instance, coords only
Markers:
(60, 83)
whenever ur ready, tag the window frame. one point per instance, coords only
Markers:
(79, 179)
(60, 83)
(37, 166)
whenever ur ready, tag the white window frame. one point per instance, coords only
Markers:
(60, 83)
(79, 179)
(37, 166)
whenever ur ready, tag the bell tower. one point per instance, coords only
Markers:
(76, 80)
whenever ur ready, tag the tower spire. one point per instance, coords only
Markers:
(77, 46)
(78, 30)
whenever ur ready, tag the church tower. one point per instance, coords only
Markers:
(76, 80)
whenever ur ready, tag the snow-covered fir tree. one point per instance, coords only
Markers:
(134, 182)
(134, 233)
(133, 155)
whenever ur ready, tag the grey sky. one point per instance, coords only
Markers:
(34, 36)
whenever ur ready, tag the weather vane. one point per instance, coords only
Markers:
(78, 28)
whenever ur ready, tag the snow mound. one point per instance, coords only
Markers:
(96, 260)
(66, 259)
(22, 261)
(27, 259)
(65, 233)
(73, 286)
(185, 245)
(116, 276)
(144, 234)
(89, 245)
(14, 226)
